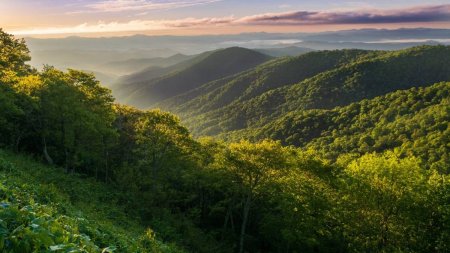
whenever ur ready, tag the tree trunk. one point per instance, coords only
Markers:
(46, 155)
(17, 143)
(106, 167)
(225, 223)
(66, 153)
(106, 156)
(246, 211)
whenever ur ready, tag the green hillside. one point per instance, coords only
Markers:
(414, 121)
(366, 77)
(202, 69)
(268, 76)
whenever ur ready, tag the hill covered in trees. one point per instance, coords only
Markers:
(413, 121)
(317, 80)
(81, 173)
(145, 89)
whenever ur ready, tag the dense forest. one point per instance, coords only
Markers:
(333, 151)
(318, 80)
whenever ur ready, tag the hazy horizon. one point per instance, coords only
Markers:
(131, 34)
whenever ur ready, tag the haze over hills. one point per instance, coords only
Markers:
(126, 67)
(87, 58)
(107, 65)
(201, 69)
(198, 44)
(117, 56)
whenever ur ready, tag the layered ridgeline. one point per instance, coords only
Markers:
(269, 76)
(147, 87)
(255, 82)
(318, 80)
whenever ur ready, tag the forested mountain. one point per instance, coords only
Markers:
(150, 88)
(368, 75)
(271, 75)
(415, 121)
(368, 172)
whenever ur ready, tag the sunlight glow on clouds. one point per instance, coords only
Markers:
(134, 25)
(422, 14)
(416, 14)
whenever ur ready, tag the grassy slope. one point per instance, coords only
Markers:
(48, 207)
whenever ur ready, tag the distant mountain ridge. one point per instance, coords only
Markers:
(148, 88)
(110, 57)
(196, 44)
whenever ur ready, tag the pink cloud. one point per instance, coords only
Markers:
(410, 15)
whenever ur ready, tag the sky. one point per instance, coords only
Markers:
(60, 18)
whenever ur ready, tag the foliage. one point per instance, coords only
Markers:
(324, 86)
(45, 210)
(393, 206)
(414, 121)
(245, 86)
(136, 181)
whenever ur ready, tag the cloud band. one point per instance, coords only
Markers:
(423, 14)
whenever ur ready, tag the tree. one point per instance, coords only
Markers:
(10, 113)
(13, 55)
(384, 196)
(252, 166)
(158, 154)
(71, 116)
